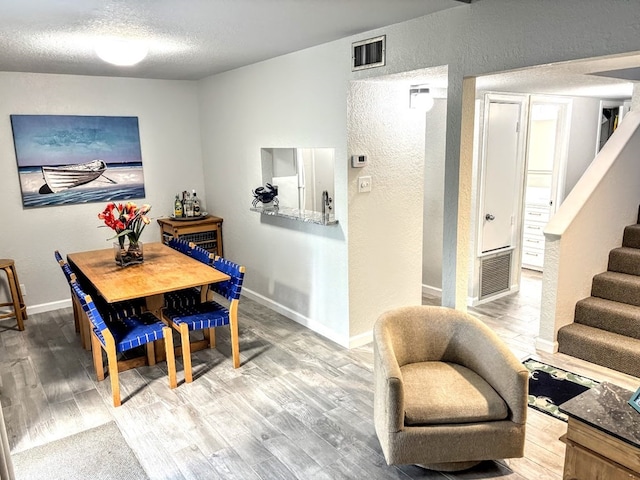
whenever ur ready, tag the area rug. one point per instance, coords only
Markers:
(101, 452)
(550, 387)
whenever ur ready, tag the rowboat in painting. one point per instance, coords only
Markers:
(68, 176)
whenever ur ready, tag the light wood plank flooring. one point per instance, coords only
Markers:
(300, 407)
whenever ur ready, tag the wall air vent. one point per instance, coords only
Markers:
(495, 274)
(368, 53)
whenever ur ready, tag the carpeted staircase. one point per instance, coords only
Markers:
(606, 326)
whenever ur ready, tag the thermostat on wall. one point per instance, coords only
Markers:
(358, 160)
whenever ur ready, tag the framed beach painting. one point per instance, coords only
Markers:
(69, 159)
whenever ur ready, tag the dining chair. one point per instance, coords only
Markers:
(209, 314)
(201, 254)
(71, 277)
(180, 245)
(118, 336)
(112, 311)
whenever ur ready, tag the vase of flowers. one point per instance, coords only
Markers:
(128, 221)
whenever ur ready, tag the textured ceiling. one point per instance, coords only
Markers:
(188, 39)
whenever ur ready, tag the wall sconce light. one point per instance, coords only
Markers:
(420, 98)
(121, 52)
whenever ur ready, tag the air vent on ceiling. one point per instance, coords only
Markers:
(368, 53)
(495, 274)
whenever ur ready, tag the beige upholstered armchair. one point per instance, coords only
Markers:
(448, 392)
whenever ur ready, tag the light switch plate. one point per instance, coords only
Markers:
(364, 184)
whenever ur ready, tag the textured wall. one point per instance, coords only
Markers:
(435, 133)
(385, 234)
(298, 100)
(170, 139)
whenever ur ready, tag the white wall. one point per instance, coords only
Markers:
(297, 100)
(585, 118)
(167, 113)
(435, 136)
(385, 230)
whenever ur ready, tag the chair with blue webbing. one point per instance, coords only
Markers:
(118, 336)
(201, 254)
(111, 311)
(180, 245)
(209, 314)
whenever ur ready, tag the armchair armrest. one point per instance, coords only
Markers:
(389, 388)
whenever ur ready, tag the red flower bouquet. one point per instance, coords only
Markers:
(128, 221)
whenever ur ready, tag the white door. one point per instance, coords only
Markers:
(502, 176)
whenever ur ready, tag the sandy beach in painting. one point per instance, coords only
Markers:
(126, 183)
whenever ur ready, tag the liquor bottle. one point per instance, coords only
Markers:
(177, 207)
(188, 205)
(196, 204)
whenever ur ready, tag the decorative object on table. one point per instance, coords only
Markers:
(266, 194)
(69, 159)
(550, 387)
(128, 221)
(634, 401)
(187, 207)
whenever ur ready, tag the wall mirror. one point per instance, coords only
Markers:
(302, 176)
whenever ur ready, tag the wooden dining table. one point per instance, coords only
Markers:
(163, 270)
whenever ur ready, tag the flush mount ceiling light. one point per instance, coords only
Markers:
(420, 98)
(121, 52)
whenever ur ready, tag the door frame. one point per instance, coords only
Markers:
(516, 247)
(522, 101)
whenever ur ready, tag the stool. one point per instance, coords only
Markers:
(19, 308)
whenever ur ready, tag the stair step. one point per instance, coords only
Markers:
(631, 237)
(601, 347)
(615, 317)
(625, 260)
(619, 287)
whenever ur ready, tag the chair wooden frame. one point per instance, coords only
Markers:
(229, 289)
(108, 344)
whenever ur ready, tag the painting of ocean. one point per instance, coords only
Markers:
(70, 159)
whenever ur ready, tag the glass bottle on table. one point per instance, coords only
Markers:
(177, 207)
(188, 205)
(196, 205)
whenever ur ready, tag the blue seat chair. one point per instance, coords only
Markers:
(118, 336)
(201, 254)
(111, 311)
(209, 314)
(180, 245)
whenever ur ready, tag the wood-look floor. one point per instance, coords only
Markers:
(300, 407)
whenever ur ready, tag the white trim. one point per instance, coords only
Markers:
(48, 307)
(296, 317)
(546, 346)
(433, 291)
(360, 340)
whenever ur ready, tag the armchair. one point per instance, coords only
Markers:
(448, 393)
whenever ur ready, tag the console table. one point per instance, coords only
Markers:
(603, 435)
(205, 231)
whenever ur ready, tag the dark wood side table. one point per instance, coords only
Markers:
(603, 435)
(205, 231)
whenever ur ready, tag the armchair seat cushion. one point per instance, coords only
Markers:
(447, 393)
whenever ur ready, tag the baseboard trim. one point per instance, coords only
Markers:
(546, 346)
(48, 307)
(433, 291)
(297, 317)
(360, 340)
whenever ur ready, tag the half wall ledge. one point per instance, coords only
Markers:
(306, 216)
